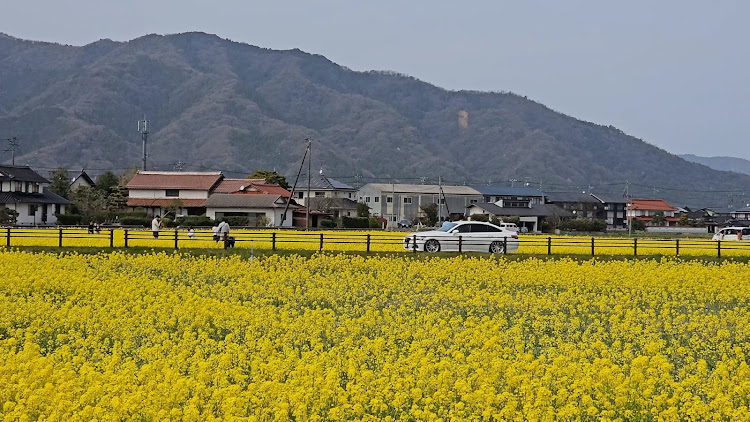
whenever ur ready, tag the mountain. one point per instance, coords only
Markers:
(737, 165)
(217, 104)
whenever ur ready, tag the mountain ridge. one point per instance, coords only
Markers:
(218, 104)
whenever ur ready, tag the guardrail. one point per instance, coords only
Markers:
(366, 242)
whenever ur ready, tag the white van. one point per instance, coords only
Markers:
(733, 233)
(508, 226)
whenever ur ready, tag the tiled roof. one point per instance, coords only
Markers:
(162, 202)
(274, 190)
(650, 204)
(507, 190)
(609, 198)
(576, 197)
(537, 210)
(45, 197)
(85, 177)
(237, 185)
(21, 174)
(401, 188)
(175, 180)
(228, 200)
(321, 182)
(327, 204)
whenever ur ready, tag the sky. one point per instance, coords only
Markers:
(673, 73)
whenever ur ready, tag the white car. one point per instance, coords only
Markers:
(509, 226)
(464, 236)
(733, 233)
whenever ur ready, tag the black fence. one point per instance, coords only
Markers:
(370, 242)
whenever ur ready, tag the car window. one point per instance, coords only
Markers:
(446, 227)
(492, 229)
(464, 228)
(745, 232)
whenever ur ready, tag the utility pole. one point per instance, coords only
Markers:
(143, 130)
(440, 207)
(13, 144)
(308, 202)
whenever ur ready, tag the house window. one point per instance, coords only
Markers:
(367, 199)
(173, 192)
(32, 210)
(35, 188)
(377, 199)
(350, 195)
(389, 199)
(300, 195)
(407, 200)
(320, 194)
(473, 201)
(19, 186)
(441, 201)
(57, 208)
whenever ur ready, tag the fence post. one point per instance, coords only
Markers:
(273, 241)
(592, 246)
(505, 245)
(718, 248)
(677, 247)
(635, 246)
(111, 238)
(321, 241)
(368, 242)
(549, 245)
(59, 238)
(460, 244)
(126, 238)
(7, 238)
(414, 244)
(175, 238)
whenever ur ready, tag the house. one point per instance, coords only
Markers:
(510, 196)
(530, 217)
(25, 191)
(335, 207)
(260, 209)
(646, 209)
(397, 201)
(157, 190)
(582, 205)
(81, 179)
(322, 186)
(611, 210)
(741, 214)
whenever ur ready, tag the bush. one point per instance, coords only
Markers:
(355, 222)
(238, 220)
(328, 223)
(135, 221)
(637, 224)
(376, 223)
(584, 225)
(8, 216)
(69, 219)
(195, 221)
(480, 217)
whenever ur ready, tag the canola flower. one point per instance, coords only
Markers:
(172, 336)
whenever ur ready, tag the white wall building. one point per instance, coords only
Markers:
(257, 207)
(25, 191)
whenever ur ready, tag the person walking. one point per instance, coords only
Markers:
(155, 225)
(224, 232)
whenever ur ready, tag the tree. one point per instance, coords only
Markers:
(658, 218)
(8, 216)
(637, 224)
(118, 199)
(60, 182)
(363, 210)
(173, 207)
(106, 183)
(88, 201)
(270, 176)
(684, 222)
(431, 212)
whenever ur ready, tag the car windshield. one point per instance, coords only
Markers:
(446, 226)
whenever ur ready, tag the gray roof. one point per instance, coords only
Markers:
(246, 200)
(606, 198)
(538, 210)
(321, 182)
(742, 210)
(507, 190)
(332, 204)
(570, 197)
(21, 174)
(402, 188)
(45, 197)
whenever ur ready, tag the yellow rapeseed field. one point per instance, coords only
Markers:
(166, 336)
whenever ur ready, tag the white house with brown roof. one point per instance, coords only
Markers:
(646, 209)
(258, 208)
(156, 190)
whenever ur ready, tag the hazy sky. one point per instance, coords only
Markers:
(674, 73)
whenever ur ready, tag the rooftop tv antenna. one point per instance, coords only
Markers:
(13, 144)
(143, 130)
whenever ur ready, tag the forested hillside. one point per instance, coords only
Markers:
(218, 104)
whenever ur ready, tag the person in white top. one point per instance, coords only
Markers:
(215, 231)
(224, 232)
(155, 225)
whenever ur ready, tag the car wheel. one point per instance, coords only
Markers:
(432, 245)
(496, 247)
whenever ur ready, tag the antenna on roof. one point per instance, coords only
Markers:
(321, 170)
(143, 130)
